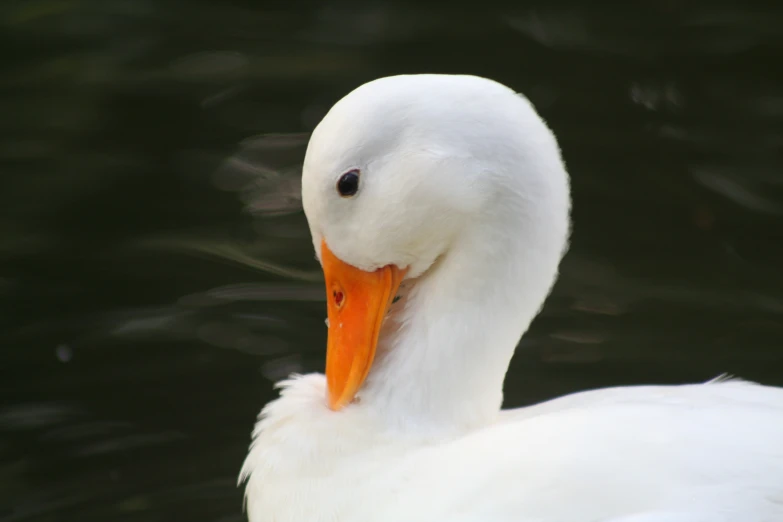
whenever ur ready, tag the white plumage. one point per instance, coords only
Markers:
(462, 186)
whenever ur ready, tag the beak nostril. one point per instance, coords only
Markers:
(338, 297)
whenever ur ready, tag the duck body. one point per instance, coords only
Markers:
(674, 453)
(449, 192)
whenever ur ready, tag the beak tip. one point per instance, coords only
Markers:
(333, 403)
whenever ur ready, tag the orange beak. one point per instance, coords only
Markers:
(357, 302)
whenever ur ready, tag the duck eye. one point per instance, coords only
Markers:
(348, 184)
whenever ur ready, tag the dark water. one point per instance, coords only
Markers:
(156, 274)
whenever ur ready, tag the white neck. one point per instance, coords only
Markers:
(445, 349)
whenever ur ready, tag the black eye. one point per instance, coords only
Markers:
(348, 184)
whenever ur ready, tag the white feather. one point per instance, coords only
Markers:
(463, 182)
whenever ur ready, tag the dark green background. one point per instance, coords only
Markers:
(156, 273)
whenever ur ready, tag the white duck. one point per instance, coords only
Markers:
(455, 186)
